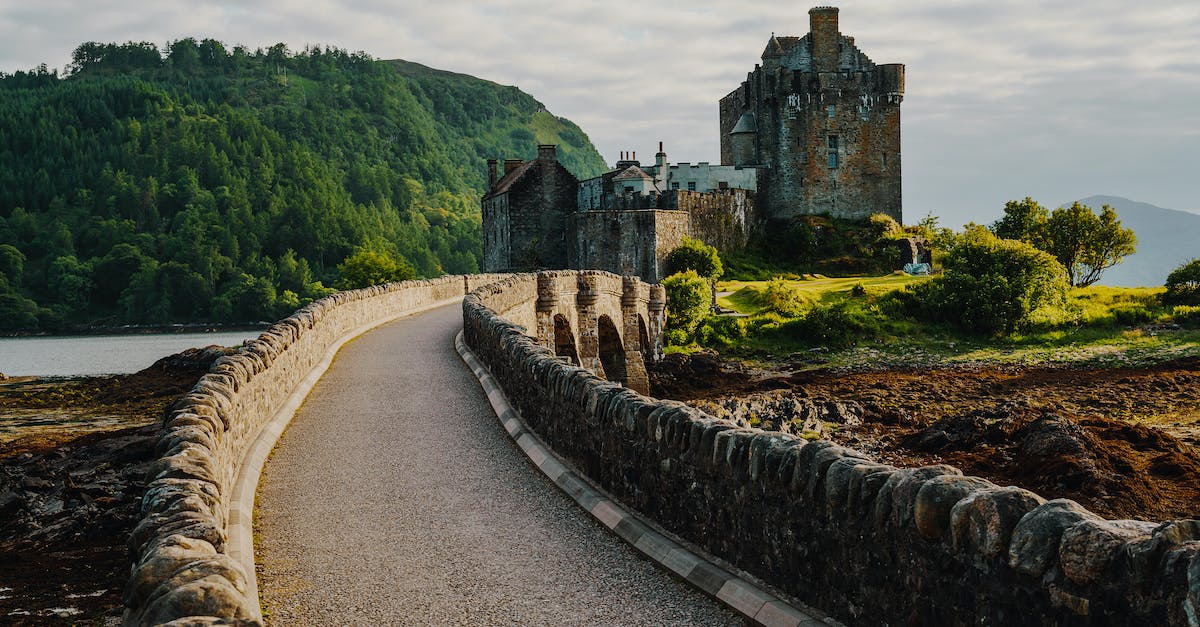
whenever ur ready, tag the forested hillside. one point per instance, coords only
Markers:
(201, 183)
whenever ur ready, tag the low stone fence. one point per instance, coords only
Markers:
(181, 567)
(865, 541)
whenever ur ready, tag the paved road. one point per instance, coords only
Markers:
(395, 498)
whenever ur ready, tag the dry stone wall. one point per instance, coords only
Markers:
(870, 542)
(181, 571)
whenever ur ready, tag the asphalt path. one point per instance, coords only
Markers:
(395, 497)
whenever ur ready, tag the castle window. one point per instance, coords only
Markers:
(691, 186)
(804, 157)
(628, 189)
(832, 142)
(675, 185)
(862, 112)
(723, 185)
(884, 160)
(830, 110)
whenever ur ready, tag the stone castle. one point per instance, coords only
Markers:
(814, 129)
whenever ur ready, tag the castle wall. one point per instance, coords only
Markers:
(705, 177)
(722, 219)
(627, 242)
(496, 243)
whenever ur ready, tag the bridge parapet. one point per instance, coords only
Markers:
(192, 551)
(874, 543)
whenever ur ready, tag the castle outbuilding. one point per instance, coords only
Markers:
(821, 121)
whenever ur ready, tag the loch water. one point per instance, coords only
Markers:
(86, 355)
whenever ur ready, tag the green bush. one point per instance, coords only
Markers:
(882, 225)
(837, 324)
(1183, 285)
(783, 298)
(367, 267)
(721, 331)
(694, 254)
(1187, 315)
(688, 299)
(992, 285)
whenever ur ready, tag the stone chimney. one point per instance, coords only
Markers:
(547, 152)
(511, 164)
(823, 33)
(493, 164)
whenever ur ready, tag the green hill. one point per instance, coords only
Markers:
(202, 183)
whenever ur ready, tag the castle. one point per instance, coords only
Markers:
(814, 129)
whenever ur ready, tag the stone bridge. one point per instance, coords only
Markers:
(394, 496)
(609, 324)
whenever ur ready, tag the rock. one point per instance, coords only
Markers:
(36, 483)
(10, 503)
(1035, 539)
(1088, 547)
(984, 521)
(937, 497)
(896, 500)
(783, 410)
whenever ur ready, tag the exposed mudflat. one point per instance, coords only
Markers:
(73, 457)
(1118, 440)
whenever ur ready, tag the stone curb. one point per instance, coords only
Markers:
(745, 597)
(240, 528)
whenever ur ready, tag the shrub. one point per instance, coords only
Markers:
(694, 254)
(688, 298)
(366, 267)
(1183, 285)
(991, 285)
(783, 298)
(722, 331)
(882, 225)
(1188, 315)
(836, 324)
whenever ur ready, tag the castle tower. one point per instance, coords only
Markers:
(822, 120)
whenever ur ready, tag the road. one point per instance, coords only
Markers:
(396, 498)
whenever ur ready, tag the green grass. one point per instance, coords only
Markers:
(832, 326)
(747, 296)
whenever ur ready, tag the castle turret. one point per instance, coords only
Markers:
(823, 34)
(742, 138)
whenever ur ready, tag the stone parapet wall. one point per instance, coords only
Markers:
(867, 541)
(181, 569)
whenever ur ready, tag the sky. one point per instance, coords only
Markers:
(1057, 100)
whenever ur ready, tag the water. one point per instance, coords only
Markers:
(101, 354)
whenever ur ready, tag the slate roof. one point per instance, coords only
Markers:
(507, 180)
(632, 172)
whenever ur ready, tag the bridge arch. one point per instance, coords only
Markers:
(571, 303)
(564, 339)
(611, 351)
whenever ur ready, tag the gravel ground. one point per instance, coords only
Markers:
(395, 498)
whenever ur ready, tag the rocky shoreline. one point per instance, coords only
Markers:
(69, 499)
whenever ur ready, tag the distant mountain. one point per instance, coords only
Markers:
(1166, 239)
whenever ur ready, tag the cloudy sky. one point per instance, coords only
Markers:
(1053, 99)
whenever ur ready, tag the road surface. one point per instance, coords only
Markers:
(396, 498)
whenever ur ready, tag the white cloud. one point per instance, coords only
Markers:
(1028, 97)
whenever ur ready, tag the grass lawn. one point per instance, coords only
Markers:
(1098, 326)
